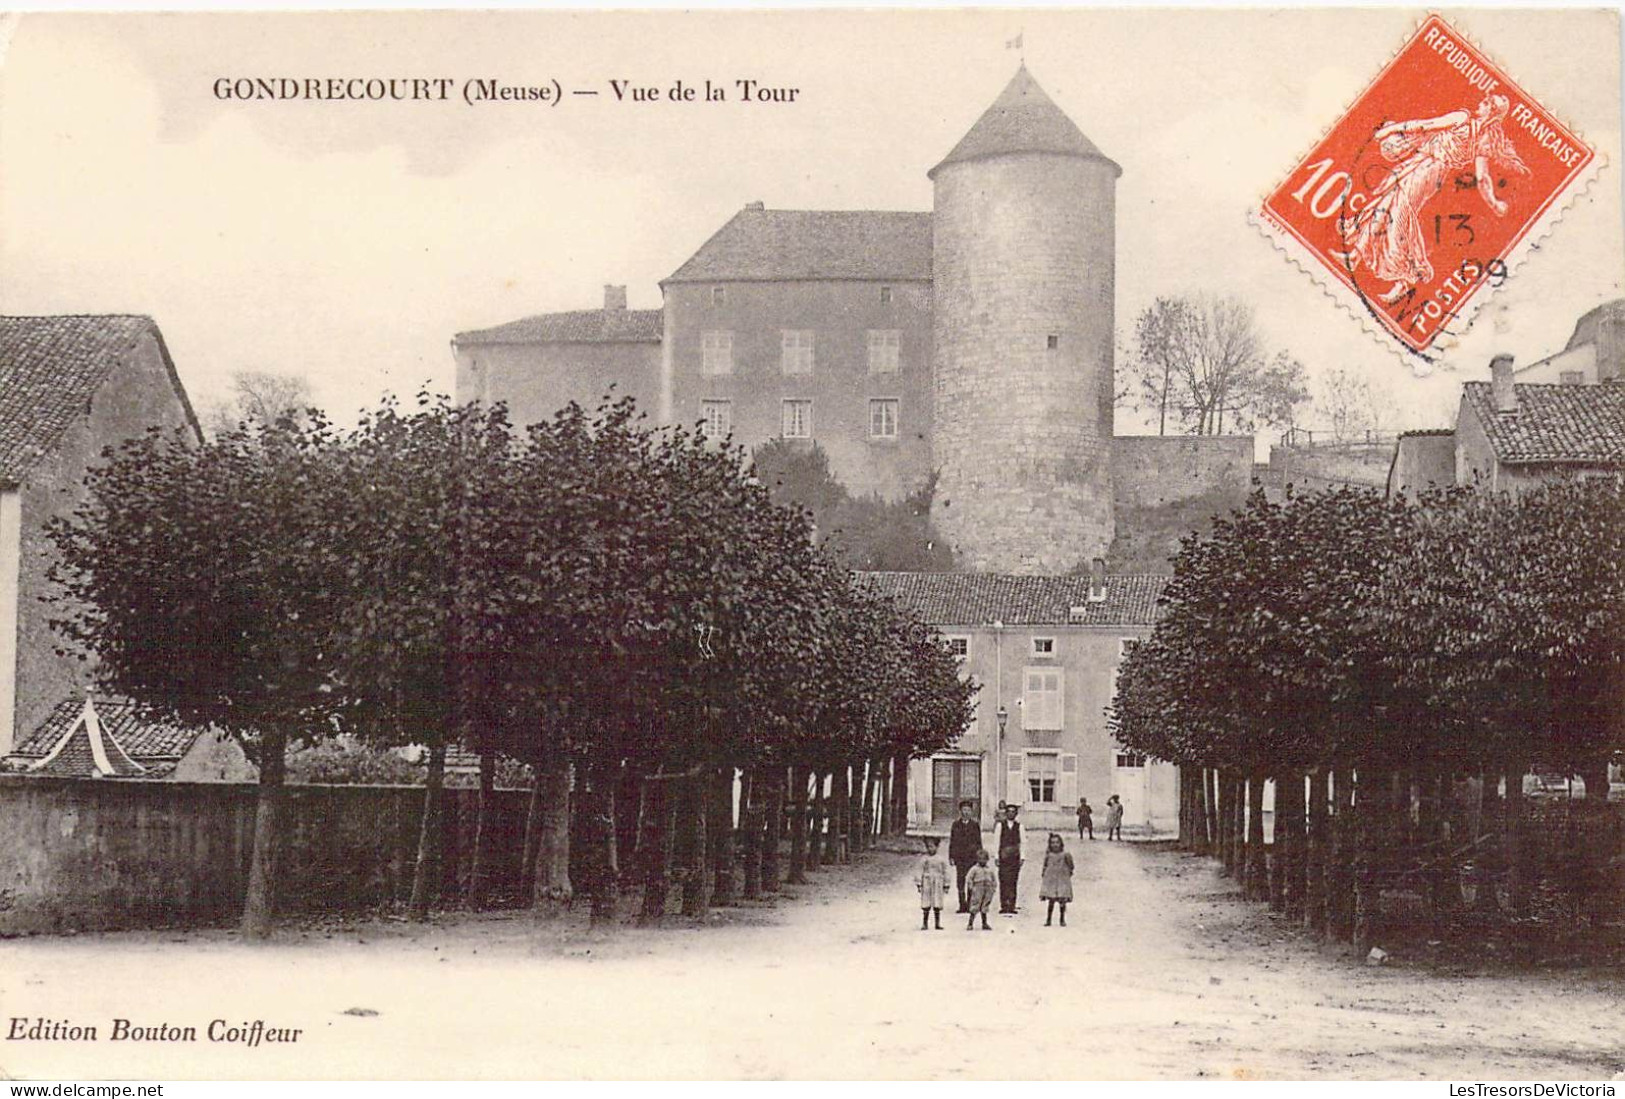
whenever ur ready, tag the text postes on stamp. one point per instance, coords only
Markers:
(1427, 189)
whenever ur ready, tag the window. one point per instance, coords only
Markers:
(1054, 342)
(1043, 646)
(885, 295)
(884, 345)
(716, 353)
(883, 418)
(719, 295)
(959, 646)
(1130, 759)
(798, 351)
(1041, 700)
(1043, 768)
(1571, 377)
(717, 418)
(798, 419)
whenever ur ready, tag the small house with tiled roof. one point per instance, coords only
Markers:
(541, 363)
(1046, 651)
(70, 386)
(1512, 436)
(111, 738)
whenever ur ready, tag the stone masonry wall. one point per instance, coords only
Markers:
(1166, 486)
(1024, 251)
(98, 854)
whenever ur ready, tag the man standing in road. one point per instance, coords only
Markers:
(963, 842)
(1009, 860)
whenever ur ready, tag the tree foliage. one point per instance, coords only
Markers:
(1200, 363)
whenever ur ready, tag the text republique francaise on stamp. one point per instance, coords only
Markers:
(1425, 194)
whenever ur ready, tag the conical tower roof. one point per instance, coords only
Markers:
(1024, 119)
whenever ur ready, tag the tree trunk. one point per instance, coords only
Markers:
(815, 844)
(553, 890)
(888, 803)
(1598, 846)
(1289, 839)
(841, 832)
(259, 907)
(1340, 859)
(866, 830)
(1370, 831)
(775, 829)
(658, 851)
(900, 792)
(479, 874)
(1314, 852)
(1488, 835)
(725, 889)
(751, 821)
(798, 826)
(1432, 847)
(423, 873)
(1255, 881)
(697, 882)
(605, 853)
(1520, 883)
(533, 837)
(1225, 788)
(1210, 809)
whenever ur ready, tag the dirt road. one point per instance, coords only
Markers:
(1162, 974)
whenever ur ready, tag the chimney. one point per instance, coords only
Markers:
(1501, 387)
(614, 298)
(757, 205)
(1097, 580)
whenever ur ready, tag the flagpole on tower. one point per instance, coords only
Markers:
(1016, 44)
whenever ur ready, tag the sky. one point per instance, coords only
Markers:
(348, 242)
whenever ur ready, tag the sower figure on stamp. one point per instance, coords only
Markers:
(964, 841)
(1009, 860)
(1386, 235)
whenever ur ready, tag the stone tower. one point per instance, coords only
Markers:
(1023, 260)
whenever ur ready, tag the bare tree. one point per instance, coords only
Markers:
(1201, 358)
(1352, 405)
(259, 396)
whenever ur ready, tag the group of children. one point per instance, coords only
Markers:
(981, 883)
(1114, 818)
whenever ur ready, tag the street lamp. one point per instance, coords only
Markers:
(1003, 716)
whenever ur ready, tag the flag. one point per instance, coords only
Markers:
(1014, 43)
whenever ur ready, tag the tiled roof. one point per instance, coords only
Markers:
(977, 599)
(578, 326)
(50, 367)
(758, 244)
(1553, 423)
(1023, 120)
(154, 745)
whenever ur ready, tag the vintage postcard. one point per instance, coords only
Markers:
(893, 544)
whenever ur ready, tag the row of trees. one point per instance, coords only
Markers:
(1366, 655)
(593, 598)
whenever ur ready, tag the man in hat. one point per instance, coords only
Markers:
(964, 841)
(1009, 860)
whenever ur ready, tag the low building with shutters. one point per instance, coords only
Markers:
(1046, 650)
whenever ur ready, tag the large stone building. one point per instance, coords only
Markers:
(70, 386)
(973, 341)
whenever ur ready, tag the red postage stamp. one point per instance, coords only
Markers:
(1428, 189)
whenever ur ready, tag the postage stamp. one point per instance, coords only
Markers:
(1428, 190)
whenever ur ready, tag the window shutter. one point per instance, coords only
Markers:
(1015, 786)
(1066, 786)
